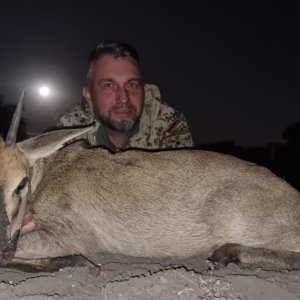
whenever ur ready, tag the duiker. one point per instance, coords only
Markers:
(152, 204)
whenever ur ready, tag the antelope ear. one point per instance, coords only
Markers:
(48, 143)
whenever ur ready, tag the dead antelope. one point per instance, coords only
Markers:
(160, 204)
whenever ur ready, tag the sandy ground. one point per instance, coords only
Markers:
(126, 278)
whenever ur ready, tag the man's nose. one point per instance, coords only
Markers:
(123, 95)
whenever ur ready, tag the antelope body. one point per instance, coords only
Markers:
(152, 204)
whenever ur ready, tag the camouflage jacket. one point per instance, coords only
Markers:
(160, 125)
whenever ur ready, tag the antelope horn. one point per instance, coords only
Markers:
(13, 129)
(5, 243)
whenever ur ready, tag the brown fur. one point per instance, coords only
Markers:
(160, 204)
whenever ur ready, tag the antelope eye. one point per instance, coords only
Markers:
(21, 185)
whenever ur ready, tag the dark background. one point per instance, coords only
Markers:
(231, 67)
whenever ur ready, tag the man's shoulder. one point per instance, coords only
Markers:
(80, 114)
(161, 126)
(154, 106)
(158, 111)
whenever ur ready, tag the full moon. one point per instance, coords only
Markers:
(44, 91)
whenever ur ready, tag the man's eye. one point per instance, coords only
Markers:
(108, 85)
(133, 85)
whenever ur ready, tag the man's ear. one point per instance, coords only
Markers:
(87, 96)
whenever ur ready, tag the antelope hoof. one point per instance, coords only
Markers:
(229, 253)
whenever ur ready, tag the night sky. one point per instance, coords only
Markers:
(232, 68)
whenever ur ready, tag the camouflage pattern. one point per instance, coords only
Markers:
(160, 125)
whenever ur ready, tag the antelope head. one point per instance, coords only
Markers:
(17, 163)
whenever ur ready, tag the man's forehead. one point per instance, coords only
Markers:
(109, 67)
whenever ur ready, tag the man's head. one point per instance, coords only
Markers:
(114, 88)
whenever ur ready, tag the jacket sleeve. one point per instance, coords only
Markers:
(176, 134)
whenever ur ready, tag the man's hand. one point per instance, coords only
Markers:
(28, 223)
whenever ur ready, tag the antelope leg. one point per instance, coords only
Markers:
(236, 253)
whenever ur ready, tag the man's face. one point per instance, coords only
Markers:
(115, 92)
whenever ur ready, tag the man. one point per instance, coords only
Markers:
(127, 112)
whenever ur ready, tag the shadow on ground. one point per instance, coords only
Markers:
(121, 277)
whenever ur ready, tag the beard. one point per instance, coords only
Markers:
(123, 125)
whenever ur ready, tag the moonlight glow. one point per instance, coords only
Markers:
(44, 91)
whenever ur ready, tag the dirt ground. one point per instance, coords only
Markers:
(125, 278)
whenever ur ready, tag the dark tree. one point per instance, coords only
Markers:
(292, 170)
